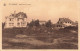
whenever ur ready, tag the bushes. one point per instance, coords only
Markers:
(71, 28)
(48, 24)
(14, 30)
(34, 23)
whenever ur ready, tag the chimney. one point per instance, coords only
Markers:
(14, 12)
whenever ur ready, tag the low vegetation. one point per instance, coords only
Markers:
(57, 39)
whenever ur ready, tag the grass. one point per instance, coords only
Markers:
(64, 38)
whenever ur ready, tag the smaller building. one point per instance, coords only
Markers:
(64, 22)
(42, 22)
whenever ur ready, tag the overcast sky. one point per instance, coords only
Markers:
(42, 9)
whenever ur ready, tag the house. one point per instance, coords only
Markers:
(64, 22)
(16, 20)
(42, 22)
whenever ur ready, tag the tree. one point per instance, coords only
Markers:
(36, 23)
(48, 24)
(3, 24)
(31, 24)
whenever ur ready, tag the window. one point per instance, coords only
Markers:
(23, 19)
(11, 19)
(65, 22)
(61, 22)
(22, 23)
(60, 26)
(11, 24)
(18, 19)
(18, 24)
(70, 22)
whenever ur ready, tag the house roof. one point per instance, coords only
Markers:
(62, 20)
(23, 15)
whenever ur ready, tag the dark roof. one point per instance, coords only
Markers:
(62, 20)
(22, 14)
(19, 14)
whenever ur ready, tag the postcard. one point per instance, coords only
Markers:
(39, 25)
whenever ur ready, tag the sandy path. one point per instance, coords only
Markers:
(30, 41)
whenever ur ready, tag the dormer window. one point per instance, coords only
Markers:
(70, 22)
(11, 19)
(65, 22)
(18, 24)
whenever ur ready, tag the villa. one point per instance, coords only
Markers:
(16, 20)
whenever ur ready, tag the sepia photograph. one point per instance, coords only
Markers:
(40, 24)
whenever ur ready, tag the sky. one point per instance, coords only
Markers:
(42, 9)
